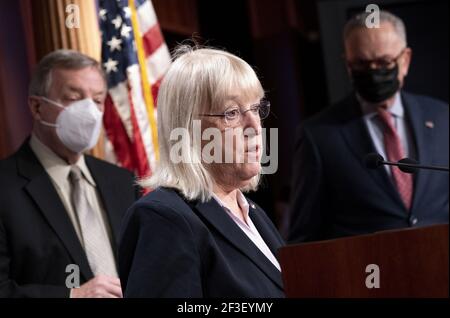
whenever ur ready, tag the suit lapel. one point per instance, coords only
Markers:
(214, 214)
(263, 228)
(42, 191)
(108, 196)
(423, 138)
(359, 141)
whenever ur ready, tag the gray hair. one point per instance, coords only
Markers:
(198, 81)
(41, 79)
(359, 21)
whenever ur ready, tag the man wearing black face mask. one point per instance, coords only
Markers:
(376, 85)
(334, 194)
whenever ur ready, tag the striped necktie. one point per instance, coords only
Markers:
(95, 238)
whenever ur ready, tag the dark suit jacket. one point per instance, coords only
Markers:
(173, 248)
(37, 239)
(335, 195)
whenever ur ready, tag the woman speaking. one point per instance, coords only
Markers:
(196, 234)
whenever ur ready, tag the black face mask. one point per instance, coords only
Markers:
(376, 85)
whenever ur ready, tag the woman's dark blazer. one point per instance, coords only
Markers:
(171, 247)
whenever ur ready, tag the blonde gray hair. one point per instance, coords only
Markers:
(198, 81)
(359, 21)
(64, 59)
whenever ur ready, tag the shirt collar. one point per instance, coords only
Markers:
(56, 167)
(370, 110)
(242, 202)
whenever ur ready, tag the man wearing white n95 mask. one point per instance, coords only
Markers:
(59, 207)
(78, 125)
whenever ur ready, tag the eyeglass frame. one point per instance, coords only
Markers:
(252, 108)
(390, 64)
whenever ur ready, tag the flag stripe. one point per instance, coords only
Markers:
(120, 101)
(152, 40)
(117, 135)
(146, 16)
(158, 63)
(141, 112)
(155, 89)
(141, 163)
(129, 151)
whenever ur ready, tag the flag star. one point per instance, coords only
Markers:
(127, 12)
(114, 44)
(102, 12)
(117, 22)
(125, 31)
(110, 65)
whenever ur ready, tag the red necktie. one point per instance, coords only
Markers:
(394, 152)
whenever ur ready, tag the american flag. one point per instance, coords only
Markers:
(135, 58)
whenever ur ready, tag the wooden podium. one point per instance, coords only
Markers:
(411, 263)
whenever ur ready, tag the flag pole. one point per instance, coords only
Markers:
(146, 86)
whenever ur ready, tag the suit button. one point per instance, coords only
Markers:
(414, 221)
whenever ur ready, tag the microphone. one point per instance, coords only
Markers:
(407, 165)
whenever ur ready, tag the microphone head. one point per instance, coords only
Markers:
(410, 162)
(373, 160)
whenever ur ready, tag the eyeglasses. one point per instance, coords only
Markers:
(232, 116)
(381, 63)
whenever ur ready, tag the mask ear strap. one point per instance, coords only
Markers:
(51, 102)
(46, 123)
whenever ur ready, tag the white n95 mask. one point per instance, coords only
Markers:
(78, 125)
